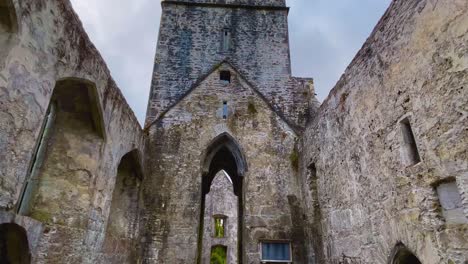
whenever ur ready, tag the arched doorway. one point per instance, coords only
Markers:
(14, 247)
(402, 255)
(223, 154)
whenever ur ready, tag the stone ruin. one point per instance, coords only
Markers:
(377, 173)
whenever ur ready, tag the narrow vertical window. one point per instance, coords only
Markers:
(225, 110)
(410, 148)
(30, 186)
(226, 40)
(220, 224)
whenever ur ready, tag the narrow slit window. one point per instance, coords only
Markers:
(225, 110)
(226, 40)
(220, 227)
(225, 77)
(409, 143)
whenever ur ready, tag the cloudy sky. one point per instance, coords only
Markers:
(324, 36)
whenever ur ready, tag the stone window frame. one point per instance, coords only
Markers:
(442, 211)
(226, 40)
(409, 148)
(223, 217)
(279, 241)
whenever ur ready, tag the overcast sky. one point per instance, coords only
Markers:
(324, 36)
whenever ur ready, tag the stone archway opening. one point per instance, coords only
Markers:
(8, 28)
(402, 255)
(14, 247)
(223, 156)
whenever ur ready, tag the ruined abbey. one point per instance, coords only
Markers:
(237, 162)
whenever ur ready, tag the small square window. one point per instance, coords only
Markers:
(451, 202)
(276, 252)
(225, 77)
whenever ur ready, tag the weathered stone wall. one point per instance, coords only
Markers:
(75, 183)
(190, 45)
(177, 144)
(221, 201)
(414, 65)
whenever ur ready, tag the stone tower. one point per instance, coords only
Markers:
(252, 35)
(223, 98)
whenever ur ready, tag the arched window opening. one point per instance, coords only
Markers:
(8, 28)
(58, 186)
(14, 247)
(218, 255)
(223, 169)
(122, 228)
(402, 255)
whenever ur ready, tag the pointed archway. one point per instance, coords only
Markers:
(223, 153)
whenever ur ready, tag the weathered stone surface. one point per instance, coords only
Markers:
(190, 45)
(76, 180)
(379, 174)
(414, 65)
(221, 202)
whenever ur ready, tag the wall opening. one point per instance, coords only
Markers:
(276, 251)
(402, 255)
(225, 77)
(226, 43)
(410, 148)
(8, 28)
(451, 202)
(14, 247)
(219, 226)
(225, 110)
(58, 187)
(122, 227)
(218, 255)
(224, 165)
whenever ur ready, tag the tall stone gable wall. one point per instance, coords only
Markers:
(190, 46)
(177, 144)
(50, 45)
(414, 65)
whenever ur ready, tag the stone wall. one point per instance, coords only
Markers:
(190, 46)
(177, 147)
(49, 58)
(412, 70)
(221, 202)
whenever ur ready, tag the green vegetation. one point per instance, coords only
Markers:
(219, 227)
(251, 108)
(218, 255)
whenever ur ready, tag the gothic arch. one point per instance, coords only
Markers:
(14, 246)
(8, 28)
(123, 221)
(402, 255)
(223, 153)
